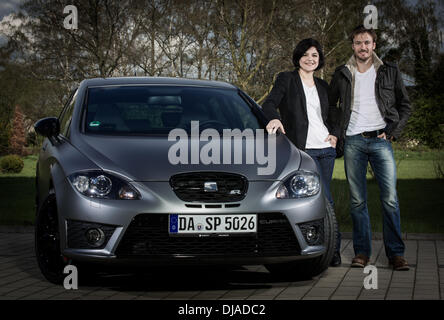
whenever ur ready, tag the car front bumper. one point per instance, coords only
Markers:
(158, 200)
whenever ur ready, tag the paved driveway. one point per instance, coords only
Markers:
(21, 279)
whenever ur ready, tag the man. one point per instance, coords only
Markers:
(373, 109)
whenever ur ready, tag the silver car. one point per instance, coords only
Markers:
(125, 177)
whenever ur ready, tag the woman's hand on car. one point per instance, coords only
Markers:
(333, 140)
(274, 125)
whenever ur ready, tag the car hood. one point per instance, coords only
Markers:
(149, 158)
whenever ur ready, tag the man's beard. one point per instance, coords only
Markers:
(362, 60)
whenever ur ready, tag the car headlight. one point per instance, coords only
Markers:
(97, 184)
(299, 185)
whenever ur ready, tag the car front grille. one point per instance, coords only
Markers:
(190, 187)
(148, 235)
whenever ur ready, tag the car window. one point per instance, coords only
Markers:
(66, 116)
(160, 109)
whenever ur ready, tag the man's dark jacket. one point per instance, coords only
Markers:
(288, 96)
(390, 93)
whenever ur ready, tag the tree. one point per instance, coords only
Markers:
(410, 37)
(17, 138)
(147, 52)
(36, 98)
(197, 20)
(245, 42)
(106, 31)
(10, 95)
(246, 32)
(5, 126)
(328, 21)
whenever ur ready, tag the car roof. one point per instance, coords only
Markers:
(156, 80)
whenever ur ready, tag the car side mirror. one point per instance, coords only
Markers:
(47, 127)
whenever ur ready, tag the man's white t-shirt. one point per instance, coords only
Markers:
(365, 112)
(317, 131)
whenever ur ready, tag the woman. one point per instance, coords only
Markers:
(302, 100)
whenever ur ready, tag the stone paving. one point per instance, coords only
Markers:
(20, 278)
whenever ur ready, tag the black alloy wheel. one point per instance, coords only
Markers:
(47, 242)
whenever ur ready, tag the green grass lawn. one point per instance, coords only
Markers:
(421, 202)
(17, 194)
(421, 194)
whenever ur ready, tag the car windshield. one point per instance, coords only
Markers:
(159, 109)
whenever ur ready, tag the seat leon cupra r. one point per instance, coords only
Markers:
(165, 171)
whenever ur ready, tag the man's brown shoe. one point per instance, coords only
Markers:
(360, 261)
(399, 263)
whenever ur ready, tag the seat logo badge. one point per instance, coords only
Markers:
(210, 187)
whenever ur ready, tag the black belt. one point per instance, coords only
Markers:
(372, 134)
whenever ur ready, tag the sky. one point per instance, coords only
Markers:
(9, 6)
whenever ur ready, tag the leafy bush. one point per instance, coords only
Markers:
(11, 164)
(426, 121)
(17, 138)
(6, 112)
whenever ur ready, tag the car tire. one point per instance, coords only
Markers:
(47, 246)
(47, 241)
(306, 269)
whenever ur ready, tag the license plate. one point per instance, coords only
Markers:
(189, 224)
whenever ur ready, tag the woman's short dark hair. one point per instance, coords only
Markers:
(302, 47)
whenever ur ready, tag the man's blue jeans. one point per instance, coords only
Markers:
(325, 161)
(358, 151)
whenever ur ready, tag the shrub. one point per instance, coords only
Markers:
(11, 164)
(17, 138)
(6, 112)
(426, 122)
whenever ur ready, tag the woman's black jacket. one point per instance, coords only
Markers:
(288, 96)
